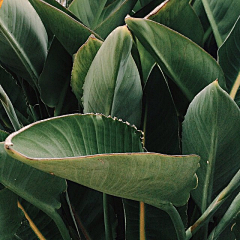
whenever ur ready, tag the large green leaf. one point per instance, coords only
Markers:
(188, 65)
(82, 62)
(211, 130)
(228, 58)
(179, 16)
(236, 227)
(112, 85)
(60, 146)
(10, 215)
(23, 39)
(41, 189)
(102, 16)
(71, 33)
(222, 15)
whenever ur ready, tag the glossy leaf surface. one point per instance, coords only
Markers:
(24, 53)
(64, 141)
(211, 130)
(191, 68)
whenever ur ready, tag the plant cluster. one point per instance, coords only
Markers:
(119, 119)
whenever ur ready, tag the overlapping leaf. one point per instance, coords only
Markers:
(230, 62)
(222, 15)
(179, 16)
(82, 62)
(61, 145)
(189, 66)
(23, 39)
(102, 16)
(71, 33)
(112, 85)
(211, 130)
(41, 189)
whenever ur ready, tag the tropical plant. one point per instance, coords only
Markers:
(119, 119)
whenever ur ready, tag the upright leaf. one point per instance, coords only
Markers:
(112, 85)
(154, 178)
(230, 62)
(23, 39)
(211, 130)
(222, 15)
(191, 68)
(82, 62)
(179, 16)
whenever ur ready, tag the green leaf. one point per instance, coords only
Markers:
(191, 68)
(23, 47)
(71, 33)
(230, 63)
(179, 16)
(10, 217)
(55, 78)
(82, 62)
(41, 189)
(102, 16)
(210, 129)
(222, 15)
(112, 85)
(149, 177)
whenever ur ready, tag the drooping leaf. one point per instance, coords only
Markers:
(230, 62)
(222, 15)
(23, 39)
(102, 16)
(191, 68)
(55, 78)
(210, 129)
(179, 16)
(112, 85)
(71, 33)
(149, 177)
(82, 62)
(41, 189)
(10, 215)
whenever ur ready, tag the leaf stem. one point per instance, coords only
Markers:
(235, 87)
(9, 109)
(177, 221)
(213, 207)
(107, 220)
